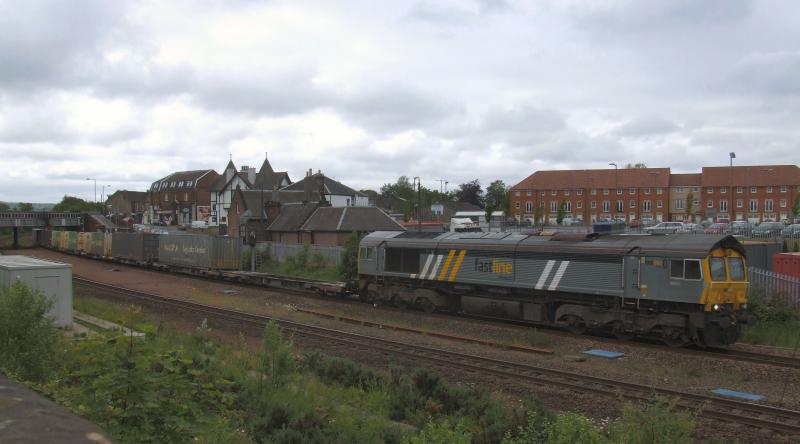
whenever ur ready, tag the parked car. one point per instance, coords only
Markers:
(717, 228)
(690, 228)
(768, 229)
(664, 228)
(742, 228)
(791, 231)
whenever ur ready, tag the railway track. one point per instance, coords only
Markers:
(761, 416)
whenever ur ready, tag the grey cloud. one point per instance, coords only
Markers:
(521, 126)
(437, 13)
(646, 126)
(773, 73)
(632, 15)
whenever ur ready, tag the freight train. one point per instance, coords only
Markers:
(680, 289)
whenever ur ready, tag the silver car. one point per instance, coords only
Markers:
(791, 231)
(690, 228)
(664, 228)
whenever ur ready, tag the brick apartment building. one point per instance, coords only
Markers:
(181, 197)
(755, 193)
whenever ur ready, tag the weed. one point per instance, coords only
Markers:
(654, 422)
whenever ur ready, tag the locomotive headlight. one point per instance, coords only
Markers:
(716, 307)
(744, 306)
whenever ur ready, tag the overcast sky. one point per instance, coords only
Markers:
(127, 92)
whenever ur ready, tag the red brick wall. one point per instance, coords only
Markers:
(584, 198)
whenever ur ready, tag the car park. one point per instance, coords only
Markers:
(742, 228)
(791, 231)
(768, 229)
(717, 228)
(664, 228)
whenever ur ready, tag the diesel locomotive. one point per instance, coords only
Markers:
(679, 288)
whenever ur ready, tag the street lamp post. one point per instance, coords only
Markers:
(419, 203)
(95, 187)
(732, 198)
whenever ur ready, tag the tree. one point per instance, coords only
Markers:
(797, 206)
(497, 197)
(4, 206)
(471, 192)
(402, 188)
(75, 205)
(24, 206)
(562, 211)
(689, 205)
(636, 165)
(539, 213)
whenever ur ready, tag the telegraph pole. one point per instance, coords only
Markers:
(419, 204)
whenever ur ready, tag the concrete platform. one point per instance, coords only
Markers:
(27, 417)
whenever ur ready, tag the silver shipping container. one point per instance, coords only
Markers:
(200, 251)
(140, 247)
(54, 279)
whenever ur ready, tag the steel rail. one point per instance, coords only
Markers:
(756, 415)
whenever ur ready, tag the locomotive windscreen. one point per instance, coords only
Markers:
(402, 260)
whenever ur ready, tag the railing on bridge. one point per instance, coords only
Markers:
(35, 219)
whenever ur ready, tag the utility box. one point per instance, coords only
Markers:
(54, 279)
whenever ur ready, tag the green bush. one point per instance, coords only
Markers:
(770, 308)
(28, 337)
(441, 433)
(345, 372)
(348, 266)
(536, 426)
(570, 428)
(654, 422)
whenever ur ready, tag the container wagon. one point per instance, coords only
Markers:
(200, 252)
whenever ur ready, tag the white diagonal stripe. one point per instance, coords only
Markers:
(559, 274)
(425, 268)
(435, 266)
(545, 274)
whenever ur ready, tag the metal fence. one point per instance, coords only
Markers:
(774, 284)
(280, 252)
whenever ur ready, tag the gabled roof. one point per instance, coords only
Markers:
(293, 216)
(128, 195)
(607, 178)
(331, 186)
(253, 199)
(181, 176)
(756, 175)
(685, 180)
(347, 219)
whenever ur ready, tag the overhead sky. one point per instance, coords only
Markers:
(366, 91)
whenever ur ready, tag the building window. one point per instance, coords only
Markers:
(185, 196)
(619, 191)
(710, 190)
(695, 203)
(659, 190)
(783, 188)
(678, 204)
(723, 190)
(553, 206)
(645, 205)
(620, 206)
(647, 191)
(679, 189)
(594, 204)
(605, 191)
(659, 204)
(723, 206)
(528, 206)
(516, 194)
(542, 193)
(632, 191)
(579, 192)
(528, 193)
(783, 203)
(516, 205)
(769, 189)
(696, 189)
(632, 203)
(768, 205)
(753, 189)
(594, 191)
(166, 197)
(710, 204)
(753, 205)
(739, 190)
(606, 206)
(579, 204)
(568, 206)
(566, 192)
(739, 203)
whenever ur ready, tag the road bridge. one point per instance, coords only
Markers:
(38, 219)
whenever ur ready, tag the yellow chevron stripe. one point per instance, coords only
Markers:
(457, 266)
(443, 273)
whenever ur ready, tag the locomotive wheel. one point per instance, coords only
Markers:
(426, 305)
(674, 339)
(399, 302)
(618, 330)
(575, 324)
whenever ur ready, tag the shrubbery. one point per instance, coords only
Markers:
(27, 333)
(778, 322)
